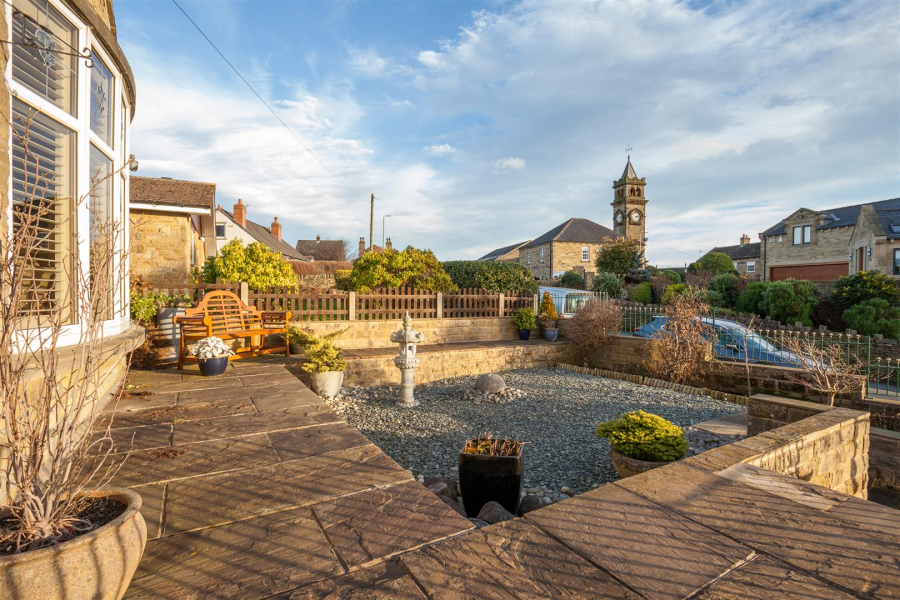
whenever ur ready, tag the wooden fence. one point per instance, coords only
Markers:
(195, 291)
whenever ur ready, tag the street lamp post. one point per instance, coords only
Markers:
(382, 230)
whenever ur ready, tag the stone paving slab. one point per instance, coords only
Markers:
(380, 523)
(869, 515)
(143, 437)
(735, 424)
(654, 551)
(385, 581)
(859, 560)
(791, 488)
(143, 400)
(312, 441)
(249, 559)
(245, 494)
(248, 424)
(169, 414)
(765, 579)
(193, 460)
(152, 509)
(513, 559)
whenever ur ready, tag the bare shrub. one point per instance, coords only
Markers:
(682, 349)
(594, 323)
(48, 411)
(319, 267)
(822, 366)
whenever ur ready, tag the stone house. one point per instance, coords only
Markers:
(745, 257)
(322, 250)
(506, 253)
(236, 225)
(571, 245)
(822, 245)
(172, 227)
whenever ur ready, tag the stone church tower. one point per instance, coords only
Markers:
(629, 205)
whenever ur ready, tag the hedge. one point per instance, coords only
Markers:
(498, 277)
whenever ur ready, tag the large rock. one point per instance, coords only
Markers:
(490, 383)
(440, 488)
(450, 483)
(493, 512)
(531, 502)
(454, 505)
(478, 523)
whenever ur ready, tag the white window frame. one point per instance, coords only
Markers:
(585, 254)
(121, 318)
(751, 266)
(542, 255)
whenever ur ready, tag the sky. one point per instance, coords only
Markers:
(482, 124)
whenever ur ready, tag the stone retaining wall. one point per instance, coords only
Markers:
(821, 444)
(447, 363)
(884, 458)
(377, 334)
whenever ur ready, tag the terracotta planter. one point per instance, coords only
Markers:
(98, 565)
(327, 384)
(627, 466)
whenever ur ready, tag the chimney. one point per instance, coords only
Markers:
(362, 246)
(240, 213)
(387, 244)
(745, 239)
(276, 228)
(318, 238)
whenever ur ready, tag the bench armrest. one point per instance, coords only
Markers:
(182, 320)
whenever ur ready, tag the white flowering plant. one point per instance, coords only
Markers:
(211, 347)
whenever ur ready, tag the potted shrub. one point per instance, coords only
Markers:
(524, 322)
(325, 365)
(212, 354)
(640, 441)
(491, 469)
(548, 317)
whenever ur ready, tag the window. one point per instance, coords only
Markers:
(39, 67)
(43, 186)
(585, 254)
(897, 261)
(542, 255)
(101, 102)
(220, 233)
(802, 234)
(103, 230)
(751, 266)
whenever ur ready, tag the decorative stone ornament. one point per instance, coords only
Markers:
(407, 361)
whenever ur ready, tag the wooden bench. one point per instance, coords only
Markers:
(223, 315)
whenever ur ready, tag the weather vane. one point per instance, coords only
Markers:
(628, 150)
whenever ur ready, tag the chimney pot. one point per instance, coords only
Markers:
(745, 239)
(240, 213)
(362, 246)
(276, 228)
(387, 244)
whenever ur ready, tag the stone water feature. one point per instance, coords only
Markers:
(407, 361)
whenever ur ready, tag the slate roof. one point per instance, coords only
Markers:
(322, 249)
(575, 230)
(888, 212)
(172, 192)
(740, 252)
(262, 234)
(495, 254)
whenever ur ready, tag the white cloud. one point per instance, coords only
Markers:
(439, 150)
(509, 163)
(367, 62)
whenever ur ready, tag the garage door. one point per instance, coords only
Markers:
(823, 272)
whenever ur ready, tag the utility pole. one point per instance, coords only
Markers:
(371, 222)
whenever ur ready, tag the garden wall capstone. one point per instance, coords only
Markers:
(376, 334)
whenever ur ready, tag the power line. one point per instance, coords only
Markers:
(266, 104)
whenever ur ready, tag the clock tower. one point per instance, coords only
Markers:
(629, 205)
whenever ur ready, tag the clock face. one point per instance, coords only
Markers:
(635, 216)
(619, 217)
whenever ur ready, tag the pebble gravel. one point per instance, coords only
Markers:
(556, 415)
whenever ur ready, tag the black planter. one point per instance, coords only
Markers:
(483, 478)
(524, 334)
(211, 367)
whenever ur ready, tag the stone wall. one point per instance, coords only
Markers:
(826, 246)
(884, 458)
(530, 258)
(160, 246)
(380, 370)
(377, 334)
(558, 256)
(820, 444)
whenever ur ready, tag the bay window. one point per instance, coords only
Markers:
(69, 120)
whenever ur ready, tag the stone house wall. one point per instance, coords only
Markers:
(871, 237)
(741, 266)
(160, 246)
(565, 256)
(826, 246)
(376, 334)
(833, 449)
(530, 258)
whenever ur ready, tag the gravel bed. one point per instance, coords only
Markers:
(556, 417)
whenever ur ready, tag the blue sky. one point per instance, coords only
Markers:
(481, 124)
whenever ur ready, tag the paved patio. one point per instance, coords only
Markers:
(254, 488)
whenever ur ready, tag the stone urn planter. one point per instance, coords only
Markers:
(98, 565)
(165, 320)
(485, 477)
(627, 466)
(326, 384)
